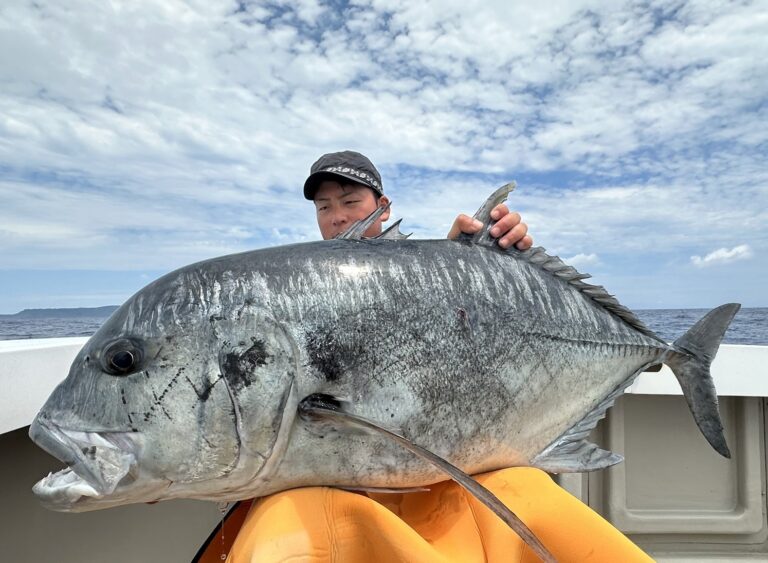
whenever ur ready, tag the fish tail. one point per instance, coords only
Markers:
(690, 358)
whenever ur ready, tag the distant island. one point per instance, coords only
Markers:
(73, 313)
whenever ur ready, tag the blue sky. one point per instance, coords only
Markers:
(137, 137)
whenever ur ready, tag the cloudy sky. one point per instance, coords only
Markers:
(137, 137)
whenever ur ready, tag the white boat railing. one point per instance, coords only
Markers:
(30, 369)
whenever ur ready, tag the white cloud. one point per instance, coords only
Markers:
(582, 260)
(723, 256)
(187, 128)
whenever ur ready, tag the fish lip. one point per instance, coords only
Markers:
(97, 461)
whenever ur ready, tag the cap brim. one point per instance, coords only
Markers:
(314, 181)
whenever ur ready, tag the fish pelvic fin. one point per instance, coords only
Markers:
(690, 359)
(323, 407)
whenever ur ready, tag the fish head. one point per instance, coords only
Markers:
(172, 397)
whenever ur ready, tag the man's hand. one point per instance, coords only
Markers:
(509, 229)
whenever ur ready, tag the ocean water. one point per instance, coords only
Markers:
(750, 326)
(18, 329)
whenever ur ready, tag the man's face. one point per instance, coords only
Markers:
(338, 206)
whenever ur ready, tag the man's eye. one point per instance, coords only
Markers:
(352, 201)
(322, 208)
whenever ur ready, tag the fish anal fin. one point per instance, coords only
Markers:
(575, 457)
(572, 452)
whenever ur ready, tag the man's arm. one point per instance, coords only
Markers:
(509, 228)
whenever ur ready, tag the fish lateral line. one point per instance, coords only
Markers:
(319, 407)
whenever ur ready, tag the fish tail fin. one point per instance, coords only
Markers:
(690, 358)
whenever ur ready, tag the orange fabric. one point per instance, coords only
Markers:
(320, 524)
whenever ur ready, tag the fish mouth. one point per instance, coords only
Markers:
(97, 463)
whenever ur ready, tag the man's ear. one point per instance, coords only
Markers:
(383, 201)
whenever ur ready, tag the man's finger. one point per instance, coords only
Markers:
(525, 243)
(464, 224)
(506, 224)
(499, 211)
(515, 235)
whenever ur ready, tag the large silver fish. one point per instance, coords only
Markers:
(485, 357)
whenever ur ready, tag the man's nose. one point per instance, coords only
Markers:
(340, 218)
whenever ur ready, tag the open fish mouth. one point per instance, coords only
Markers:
(97, 463)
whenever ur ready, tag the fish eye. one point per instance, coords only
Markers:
(122, 357)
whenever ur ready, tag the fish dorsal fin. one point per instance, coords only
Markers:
(484, 216)
(551, 264)
(393, 232)
(356, 229)
(571, 452)
(597, 293)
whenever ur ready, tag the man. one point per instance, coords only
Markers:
(346, 187)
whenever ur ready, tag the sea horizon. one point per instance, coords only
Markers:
(749, 326)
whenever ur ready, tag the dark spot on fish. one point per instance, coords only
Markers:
(122, 396)
(159, 399)
(464, 319)
(238, 368)
(204, 394)
(86, 360)
(169, 338)
(323, 355)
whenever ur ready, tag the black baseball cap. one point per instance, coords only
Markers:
(347, 165)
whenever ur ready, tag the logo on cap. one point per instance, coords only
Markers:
(354, 172)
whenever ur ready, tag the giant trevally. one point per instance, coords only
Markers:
(488, 358)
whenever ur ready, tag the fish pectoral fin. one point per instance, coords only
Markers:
(319, 408)
(575, 457)
(358, 228)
